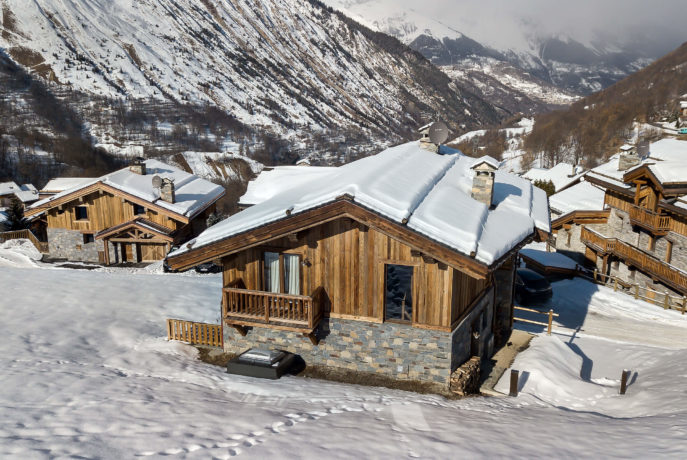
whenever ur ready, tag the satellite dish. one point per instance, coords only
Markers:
(157, 182)
(438, 133)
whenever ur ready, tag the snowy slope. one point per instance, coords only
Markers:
(283, 64)
(94, 377)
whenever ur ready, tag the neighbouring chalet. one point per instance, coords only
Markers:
(401, 263)
(62, 184)
(135, 214)
(629, 217)
(9, 191)
(562, 176)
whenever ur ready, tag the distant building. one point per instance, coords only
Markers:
(26, 194)
(60, 184)
(629, 217)
(136, 214)
(563, 175)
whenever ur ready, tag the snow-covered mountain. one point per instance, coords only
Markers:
(287, 65)
(551, 67)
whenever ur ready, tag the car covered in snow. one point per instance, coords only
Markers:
(531, 287)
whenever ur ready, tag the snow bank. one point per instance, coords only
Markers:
(19, 253)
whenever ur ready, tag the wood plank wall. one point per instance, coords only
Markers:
(104, 211)
(348, 259)
(618, 201)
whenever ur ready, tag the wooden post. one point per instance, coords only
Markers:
(548, 332)
(684, 304)
(636, 291)
(615, 287)
(595, 270)
(623, 381)
(666, 302)
(514, 382)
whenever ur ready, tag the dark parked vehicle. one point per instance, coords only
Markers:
(531, 287)
(208, 267)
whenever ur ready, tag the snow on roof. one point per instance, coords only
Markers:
(626, 147)
(582, 196)
(683, 104)
(192, 193)
(273, 182)
(25, 193)
(431, 191)
(562, 175)
(60, 184)
(488, 160)
(669, 150)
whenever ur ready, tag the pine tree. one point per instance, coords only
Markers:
(547, 186)
(15, 216)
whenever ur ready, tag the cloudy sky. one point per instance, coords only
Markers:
(506, 22)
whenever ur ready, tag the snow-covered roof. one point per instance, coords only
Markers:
(488, 160)
(627, 147)
(192, 193)
(60, 184)
(428, 191)
(25, 193)
(562, 175)
(274, 181)
(683, 104)
(579, 197)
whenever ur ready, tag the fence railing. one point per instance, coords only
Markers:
(195, 333)
(639, 259)
(24, 234)
(650, 220)
(661, 299)
(298, 311)
(550, 314)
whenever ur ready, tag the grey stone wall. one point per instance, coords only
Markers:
(574, 249)
(391, 349)
(69, 244)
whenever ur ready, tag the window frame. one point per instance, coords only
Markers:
(134, 207)
(413, 291)
(88, 236)
(282, 271)
(76, 213)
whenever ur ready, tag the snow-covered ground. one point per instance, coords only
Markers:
(87, 372)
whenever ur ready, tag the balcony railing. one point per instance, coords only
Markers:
(650, 220)
(244, 307)
(656, 268)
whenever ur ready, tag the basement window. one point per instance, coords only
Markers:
(81, 213)
(88, 238)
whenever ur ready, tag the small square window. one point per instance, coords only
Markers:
(81, 213)
(139, 210)
(88, 238)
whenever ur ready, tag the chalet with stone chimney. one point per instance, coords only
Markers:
(629, 217)
(400, 264)
(136, 214)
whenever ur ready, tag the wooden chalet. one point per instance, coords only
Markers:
(386, 265)
(136, 214)
(9, 191)
(640, 232)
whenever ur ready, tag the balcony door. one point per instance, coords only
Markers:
(282, 273)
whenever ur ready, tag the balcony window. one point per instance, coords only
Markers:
(282, 273)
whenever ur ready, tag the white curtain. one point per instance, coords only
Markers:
(272, 272)
(292, 264)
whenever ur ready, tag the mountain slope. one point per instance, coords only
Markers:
(594, 127)
(285, 65)
(547, 59)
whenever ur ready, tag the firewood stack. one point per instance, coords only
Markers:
(465, 379)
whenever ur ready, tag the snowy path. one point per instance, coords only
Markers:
(86, 371)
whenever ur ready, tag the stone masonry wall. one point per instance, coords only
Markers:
(391, 349)
(69, 244)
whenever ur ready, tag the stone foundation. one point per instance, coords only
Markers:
(69, 244)
(395, 350)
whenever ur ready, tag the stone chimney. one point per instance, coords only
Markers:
(483, 181)
(167, 190)
(425, 143)
(138, 166)
(629, 158)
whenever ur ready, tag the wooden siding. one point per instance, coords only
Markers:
(104, 211)
(618, 201)
(348, 260)
(678, 224)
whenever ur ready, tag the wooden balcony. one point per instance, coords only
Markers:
(299, 313)
(654, 222)
(657, 269)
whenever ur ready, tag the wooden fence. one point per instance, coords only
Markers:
(661, 299)
(550, 314)
(25, 234)
(195, 333)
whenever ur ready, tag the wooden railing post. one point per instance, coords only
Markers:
(636, 291)
(548, 332)
(514, 383)
(666, 302)
(615, 287)
(623, 381)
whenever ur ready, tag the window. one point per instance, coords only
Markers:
(81, 213)
(88, 238)
(138, 209)
(398, 286)
(282, 273)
